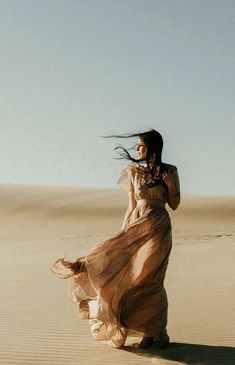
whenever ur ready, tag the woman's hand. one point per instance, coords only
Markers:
(168, 178)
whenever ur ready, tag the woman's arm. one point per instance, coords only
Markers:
(131, 207)
(171, 179)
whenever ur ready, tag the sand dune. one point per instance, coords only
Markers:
(38, 322)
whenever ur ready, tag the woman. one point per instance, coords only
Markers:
(119, 285)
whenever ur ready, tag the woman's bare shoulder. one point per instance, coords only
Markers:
(170, 167)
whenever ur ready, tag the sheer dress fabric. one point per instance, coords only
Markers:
(121, 291)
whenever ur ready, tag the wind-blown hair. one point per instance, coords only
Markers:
(154, 143)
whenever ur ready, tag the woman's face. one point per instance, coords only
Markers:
(141, 148)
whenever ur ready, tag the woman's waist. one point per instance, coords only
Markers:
(152, 202)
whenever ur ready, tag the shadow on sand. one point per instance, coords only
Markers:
(190, 354)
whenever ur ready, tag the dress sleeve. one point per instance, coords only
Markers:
(125, 178)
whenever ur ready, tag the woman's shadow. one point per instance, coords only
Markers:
(190, 354)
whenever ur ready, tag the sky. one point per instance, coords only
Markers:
(72, 71)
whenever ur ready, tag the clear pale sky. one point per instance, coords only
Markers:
(72, 71)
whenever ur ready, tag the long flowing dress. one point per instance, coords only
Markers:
(121, 288)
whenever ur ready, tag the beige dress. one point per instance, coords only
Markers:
(121, 290)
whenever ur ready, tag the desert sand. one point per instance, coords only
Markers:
(39, 324)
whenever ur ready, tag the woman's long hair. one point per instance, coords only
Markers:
(151, 174)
